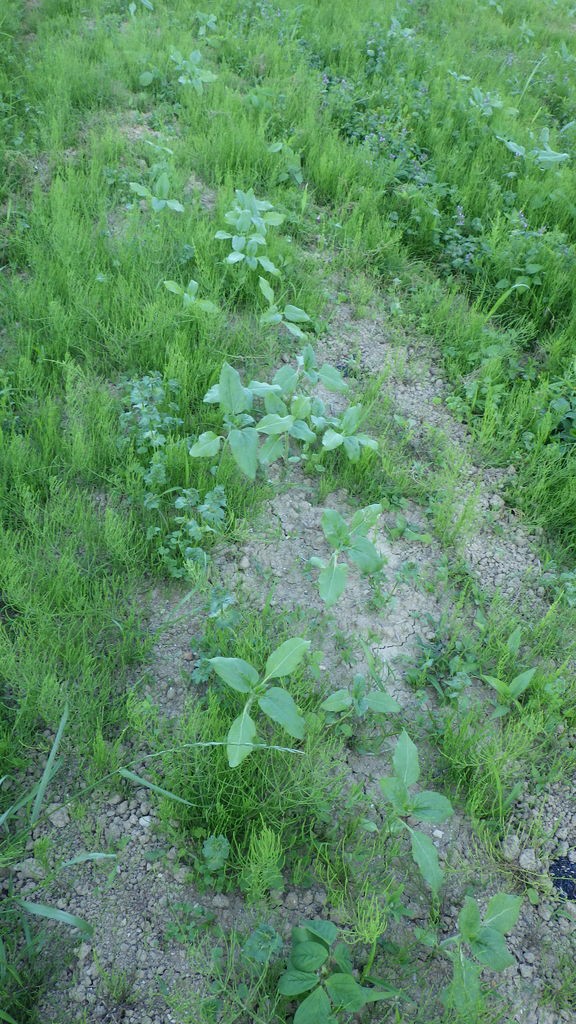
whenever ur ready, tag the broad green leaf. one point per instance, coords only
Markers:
(351, 447)
(338, 701)
(140, 190)
(222, 235)
(273, 424)
(324, 930)
(205, 305)
(342, 958)
(294, 330)
(332, 379)
(367, 442)
(173, 204)
(287, 378)
(502, 912)
(286, 658)
(267, 265)
(464, 994)
(469, 921)
(272, 449)
(235, 257)
(332, 439)
(261, 388)
(365, 519)
(513, 641)
(244, 447)
(347, 994)
(351, 420)
(157, 204)
(146, 78)
(273, 218)
(405, 760)
(140, 781)
(301, 431)
(430, 806)
(295, 314)
(241, 738)
(309, 956)
(363, 553)
(239, 674)
(426, 857)
(521, 682)
(396, 793)
(162, 186)
(208, 444)
(173, 286)
(332, 581)
(315, 1009)
(294, 983)
(335, 528)
(382, 703)
(266, 290)
(489, 946)
(280, 707)
(212, 396)
(53, 914)
(300, 407)
(233, 397)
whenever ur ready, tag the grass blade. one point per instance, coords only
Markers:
(49, 769)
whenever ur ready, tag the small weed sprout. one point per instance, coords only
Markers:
(291, 316)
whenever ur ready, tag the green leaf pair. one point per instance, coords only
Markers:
(352, 541)
(426, 806)
(314, 949)
(276, 703)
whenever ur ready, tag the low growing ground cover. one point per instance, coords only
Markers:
(287, 494)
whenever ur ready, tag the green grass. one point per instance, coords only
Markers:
(434, 186)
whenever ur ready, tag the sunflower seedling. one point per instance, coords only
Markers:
(191, 70)
(250, 219)
(346, 707)
(484, 937)
(189, 295)
(290, 316)
(276, 703)
(158, 196)
(351, 541)
(425, 806)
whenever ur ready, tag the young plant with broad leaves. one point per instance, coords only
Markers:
(291, 316)
(351, 541)
(275, 702)
(158, 196)
(291, 414)
(189, 296)
(250, 219)
(484, 937)
(191, 70)
(321, 970)
(424, 805)
(346, 708)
